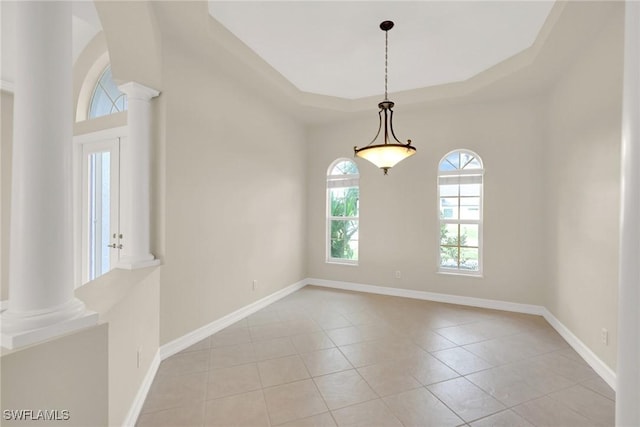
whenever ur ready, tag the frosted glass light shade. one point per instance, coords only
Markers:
(386, 156)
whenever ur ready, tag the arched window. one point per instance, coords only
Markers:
(460, 176)
(106, 97)
(343, 205)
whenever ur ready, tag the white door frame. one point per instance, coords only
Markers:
(107, 140)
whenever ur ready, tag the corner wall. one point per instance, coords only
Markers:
(235, 183)
(583, 191)
(68, 373)
(551, 188)
(399, 228)
(128, 301)
(6, 138)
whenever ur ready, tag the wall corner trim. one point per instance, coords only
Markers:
(431, 296)
(187, 340)
(601, 368)
(141, 395)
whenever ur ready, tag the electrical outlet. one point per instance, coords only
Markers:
(604, 336)
(398, 274)
(254, 286)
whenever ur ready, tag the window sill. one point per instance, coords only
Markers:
(346, 263)
(463, 274)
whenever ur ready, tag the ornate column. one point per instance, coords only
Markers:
(41, 299)
(628, 367)
(136, 175)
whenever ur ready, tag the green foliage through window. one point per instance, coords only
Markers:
(460, 177)
(456, 250)
(344, 233)
(343, 200)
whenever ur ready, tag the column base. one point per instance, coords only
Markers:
(23, 328)
(134, 263)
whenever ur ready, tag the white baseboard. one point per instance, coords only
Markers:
(193, 337)
(201, 333)
(143, 390)
(606, 373)
(431, 296)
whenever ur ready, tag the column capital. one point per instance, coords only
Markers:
(135, 90)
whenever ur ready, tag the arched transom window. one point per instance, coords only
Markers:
(460, 176)
(106, 97)
(343, 212)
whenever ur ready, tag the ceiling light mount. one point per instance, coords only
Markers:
(388, 153)
(386, 25)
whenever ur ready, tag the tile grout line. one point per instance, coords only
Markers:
(396, 334)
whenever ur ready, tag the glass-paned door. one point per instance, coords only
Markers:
(100, 177)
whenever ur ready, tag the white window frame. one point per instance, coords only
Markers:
(98, 86)
(470, 174)
(83, 146)
(340, 181)
(88, 86)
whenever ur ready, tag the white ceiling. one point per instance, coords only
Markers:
(336, 48)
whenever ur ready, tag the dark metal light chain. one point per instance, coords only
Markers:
(386, 56)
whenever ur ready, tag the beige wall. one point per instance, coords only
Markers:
(239, 195)
(235, 206)
(129, 302)
(551, 205)
(133, 38)
(583, 158)
(67, 373)
(399, 218)
(6, 137)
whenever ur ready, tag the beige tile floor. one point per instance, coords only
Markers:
(322, 357)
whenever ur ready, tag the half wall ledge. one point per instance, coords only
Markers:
(15, 339)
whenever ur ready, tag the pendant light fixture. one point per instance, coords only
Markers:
(387, 154)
